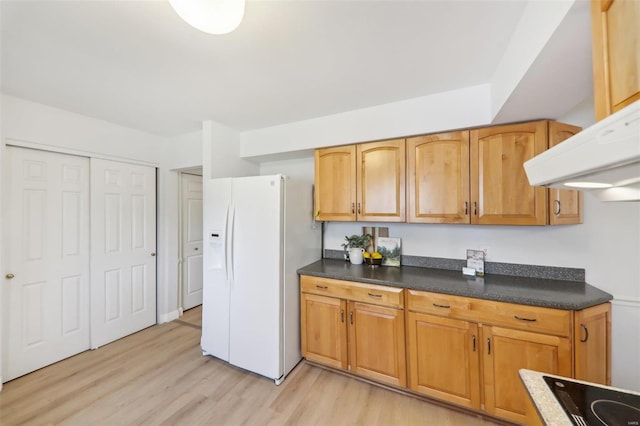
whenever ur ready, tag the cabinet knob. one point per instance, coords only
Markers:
(153, 254)
(9, 276)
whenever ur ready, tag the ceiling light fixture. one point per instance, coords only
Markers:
(210, 16)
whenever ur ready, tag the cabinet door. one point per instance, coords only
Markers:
(500, 190)
(616, 54)
(506, 351)
(324, 330)
(438, 178)
(381, 177)
(443, 359)
(592, 344)
(565, 205)
(335, 183)
(377, 343)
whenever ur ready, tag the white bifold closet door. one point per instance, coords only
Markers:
(123, 249)
(79, 250)
(46, 287)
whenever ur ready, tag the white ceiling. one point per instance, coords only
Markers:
(136, 63)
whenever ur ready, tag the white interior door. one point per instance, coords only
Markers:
(191, 241)
(46, 303)
(123, 249)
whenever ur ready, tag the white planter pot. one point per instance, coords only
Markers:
(355, 255)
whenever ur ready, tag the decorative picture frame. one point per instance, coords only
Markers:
(475, 260)
(390, 249)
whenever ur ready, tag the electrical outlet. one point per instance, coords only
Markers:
(487, 251)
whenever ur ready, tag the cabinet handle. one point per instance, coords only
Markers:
(475, 208)
(586, 333)
(342, 315)
(556, 207)
(353, 208)
(351, 317)
(321, 287)
(525, 319)
(378, 296)
(473, 339)
(441, 306)
(358, 208)
(488, 346)
(466, 208)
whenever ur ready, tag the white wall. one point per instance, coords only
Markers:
(454, 109)
(185, 153)
(607, 246)
(221, 153)
(536, 26)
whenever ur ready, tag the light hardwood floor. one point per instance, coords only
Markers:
(159, 377)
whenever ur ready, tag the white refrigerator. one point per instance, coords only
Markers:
(258, 231)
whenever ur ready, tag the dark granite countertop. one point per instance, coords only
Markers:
(559, 294)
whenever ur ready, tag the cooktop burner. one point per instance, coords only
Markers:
(595, 406)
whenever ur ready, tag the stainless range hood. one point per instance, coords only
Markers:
(604, 158)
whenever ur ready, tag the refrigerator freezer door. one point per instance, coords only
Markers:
(215, 291)
(256, 291)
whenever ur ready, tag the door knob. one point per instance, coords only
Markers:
(153, 254)
(9, 276)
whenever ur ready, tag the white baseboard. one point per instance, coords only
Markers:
(168, 317)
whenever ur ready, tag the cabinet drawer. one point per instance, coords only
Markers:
(438, 304)
(523, 317)
(359, 292)
(520, 317)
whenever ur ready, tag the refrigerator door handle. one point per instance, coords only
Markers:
(226, 244)
(231, 238)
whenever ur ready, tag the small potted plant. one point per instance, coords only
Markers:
(355, 245)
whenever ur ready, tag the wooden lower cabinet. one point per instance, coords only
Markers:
(324, 337)
(443, 355)
(365, 338)
(377, 343)
(457, 349)
(592, 343)
(505, 351)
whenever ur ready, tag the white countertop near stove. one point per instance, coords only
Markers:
(548, 407)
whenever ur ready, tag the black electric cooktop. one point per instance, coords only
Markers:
(595, 406)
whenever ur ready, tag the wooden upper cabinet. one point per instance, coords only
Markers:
(565, 205)
(500, 190)
(335, 183)
(438, 178)
(381, 181)
(616, 54)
